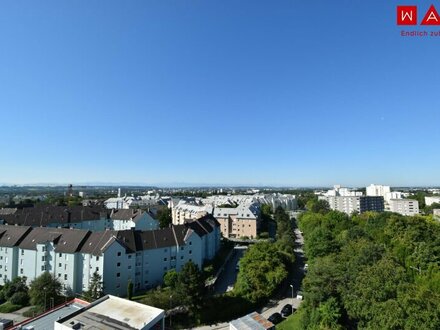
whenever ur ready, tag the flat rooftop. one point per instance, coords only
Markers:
(112, 312)
(47, 321)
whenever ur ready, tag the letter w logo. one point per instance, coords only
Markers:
(406, 15)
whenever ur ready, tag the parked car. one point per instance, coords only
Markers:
(306, 268)
(275, 318)
(299, 295)
(286, 310)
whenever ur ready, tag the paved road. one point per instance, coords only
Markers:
(229, 275)
(275, 305)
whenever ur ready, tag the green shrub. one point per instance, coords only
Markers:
(20, 298)
(9, 307)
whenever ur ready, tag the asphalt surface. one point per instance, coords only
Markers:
(228, 276)
(285, 294)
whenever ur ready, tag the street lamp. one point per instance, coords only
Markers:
(45, 292)
(170, 308)
(291, 285)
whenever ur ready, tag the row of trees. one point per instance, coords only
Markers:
(371, 271)
(265, 265)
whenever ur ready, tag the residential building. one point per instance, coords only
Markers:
(238, 222)
(186, 211)
(110, 312)
(404, 206)
(429, 200)
(350, 204)
(377, 190)
(74, 255)
(338, 190)
(436, 213)
(92, 218)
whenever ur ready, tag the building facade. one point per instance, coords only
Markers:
(74, 255)
(404, 206)
(350, 204)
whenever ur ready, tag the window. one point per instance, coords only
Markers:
(44, 249)
(43, 268)
(182, 248)
(43, 258)
(65, 277)
(21, 261)
(22, 252)
(190, 252)
(190, 243)
(60, 265)
(165, 268)
(59, 275)
(65, 266)
(97, 269)
(119, 254)
(21, 270)
(60, 255)
(165, 250)
(129, 267)
(129, 256)
(181, 258)
(165, 259)
(118, 274)
(97, 258)
(118, 264)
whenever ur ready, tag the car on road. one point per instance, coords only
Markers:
(286, 310)
(306, 268)
(275, 318)
(299, 295)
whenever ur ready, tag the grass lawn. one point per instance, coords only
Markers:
(292, 322)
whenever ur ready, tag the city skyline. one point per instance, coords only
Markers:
(216, 93)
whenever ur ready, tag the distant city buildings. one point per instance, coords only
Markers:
(238, 215)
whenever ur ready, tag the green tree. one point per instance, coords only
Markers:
(96, 288)
(129, 290)
(191, 286)
(42, 287)
(164, 217)
(171, 278)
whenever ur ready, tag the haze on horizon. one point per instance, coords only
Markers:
(216, 93)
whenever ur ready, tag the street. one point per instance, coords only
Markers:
(228, 276)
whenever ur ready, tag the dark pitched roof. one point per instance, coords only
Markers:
(127, 214)
(203, 225)
(12, 235)
(65, 240)
(96, 242)
(44, 215)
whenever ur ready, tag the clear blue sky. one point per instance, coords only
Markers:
(300, 93)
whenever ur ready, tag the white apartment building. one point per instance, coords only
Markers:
(187, 211)
(377, 190)
(429, 200)
(408, 207)
(350, 204)
(73, 255)
(342, 191)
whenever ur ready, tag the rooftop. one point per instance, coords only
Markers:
(112, 312)
(252, 321)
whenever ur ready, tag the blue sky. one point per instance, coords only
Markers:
(301, 93)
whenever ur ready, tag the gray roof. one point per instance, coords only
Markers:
(12, 235)
(96, 242)
(127, 214)
(65, 240)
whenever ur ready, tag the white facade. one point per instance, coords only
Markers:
(408, 207)
(73, 256)
(378, 190)
(429, 200)
(346, 204)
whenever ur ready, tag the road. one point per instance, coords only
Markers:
(285, 295)
(228, 276)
